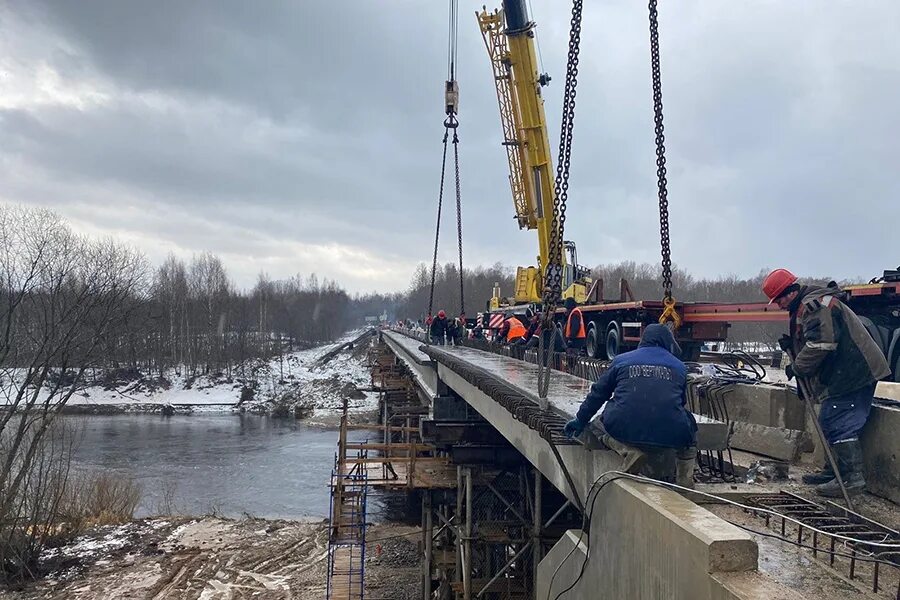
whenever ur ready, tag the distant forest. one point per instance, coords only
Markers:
(66, 299)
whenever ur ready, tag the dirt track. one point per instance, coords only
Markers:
(214, 559)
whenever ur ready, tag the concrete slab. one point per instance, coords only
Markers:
(565, 392)
(769, 405)
(409, 346)
(420, 364)
(775, 442)
(888, 390)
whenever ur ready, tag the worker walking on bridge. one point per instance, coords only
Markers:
(575, 330)
(643, 400)
(841, 364)
(438, 328)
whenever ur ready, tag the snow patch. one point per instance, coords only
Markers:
(294, 376)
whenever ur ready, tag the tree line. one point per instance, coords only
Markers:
(644, 281)
(114, 310)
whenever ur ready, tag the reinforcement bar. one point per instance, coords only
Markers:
(525, 410)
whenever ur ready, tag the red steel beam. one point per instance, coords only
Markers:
(733, 313)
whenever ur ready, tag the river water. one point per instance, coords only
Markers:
(228, 464)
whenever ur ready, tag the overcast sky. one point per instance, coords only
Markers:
(304, 136)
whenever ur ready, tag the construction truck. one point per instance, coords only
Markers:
(613, 325)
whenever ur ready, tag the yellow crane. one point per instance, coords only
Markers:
(509, 38)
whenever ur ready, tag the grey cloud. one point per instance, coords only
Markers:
(320, 121)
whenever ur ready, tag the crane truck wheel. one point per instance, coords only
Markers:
(592, 343)
(613, 341)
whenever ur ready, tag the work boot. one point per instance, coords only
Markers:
(849, 458)
(684, 467)
(633, 459)
(824, 475)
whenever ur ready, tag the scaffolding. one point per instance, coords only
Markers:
(347, 526)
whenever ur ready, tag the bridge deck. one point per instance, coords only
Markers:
(565, 392)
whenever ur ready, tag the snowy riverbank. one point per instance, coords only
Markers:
(294, 384)
(182, 558)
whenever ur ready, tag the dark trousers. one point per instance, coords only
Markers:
(577, 345)
(843, 417)
(437, 340)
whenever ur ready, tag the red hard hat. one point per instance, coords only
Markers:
(776, 282)
(441, 314)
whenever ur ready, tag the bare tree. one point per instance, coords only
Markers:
(65, 299)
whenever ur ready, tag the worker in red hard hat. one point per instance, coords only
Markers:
(841, 363)
(438, 328)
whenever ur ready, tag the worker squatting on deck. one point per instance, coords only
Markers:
(644, 415)
(841, 364)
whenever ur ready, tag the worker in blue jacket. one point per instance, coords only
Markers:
(645, 396)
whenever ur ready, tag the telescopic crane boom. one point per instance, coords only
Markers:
(510, 42)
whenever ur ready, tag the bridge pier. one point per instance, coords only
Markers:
(492, 533)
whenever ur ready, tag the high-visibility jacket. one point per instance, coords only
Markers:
(516, 329)
(579, 332)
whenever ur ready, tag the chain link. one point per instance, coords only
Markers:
(437, 228)
(553, 277)
(552, 291)
(660, 154)
(459, 238)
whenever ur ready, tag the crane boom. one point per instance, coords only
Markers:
(509, 38)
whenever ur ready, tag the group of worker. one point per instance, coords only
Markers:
(571, 339)
(442, 330)
(642, 395)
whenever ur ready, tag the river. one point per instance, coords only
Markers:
(228, 464)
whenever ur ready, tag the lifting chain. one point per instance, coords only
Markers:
(451, 102)
(459, 239)
(669, 314)
(552, 291)
(451, 123)
(437, 227)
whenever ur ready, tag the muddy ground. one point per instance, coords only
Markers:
(213, 558)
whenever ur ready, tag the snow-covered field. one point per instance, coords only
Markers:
(293, 379)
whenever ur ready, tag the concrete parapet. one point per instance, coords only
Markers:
(647, 542)
(888, 390)
(776, 442)
(768, 405)
(881, 452)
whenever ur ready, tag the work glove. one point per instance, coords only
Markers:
(786, 343)
(574, 428)
(789, 371)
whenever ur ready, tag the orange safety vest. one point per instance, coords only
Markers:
(516, 329)
(581, 333)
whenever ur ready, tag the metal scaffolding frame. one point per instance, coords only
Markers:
(491, 534)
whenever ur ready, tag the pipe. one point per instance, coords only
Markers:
(516, 16)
